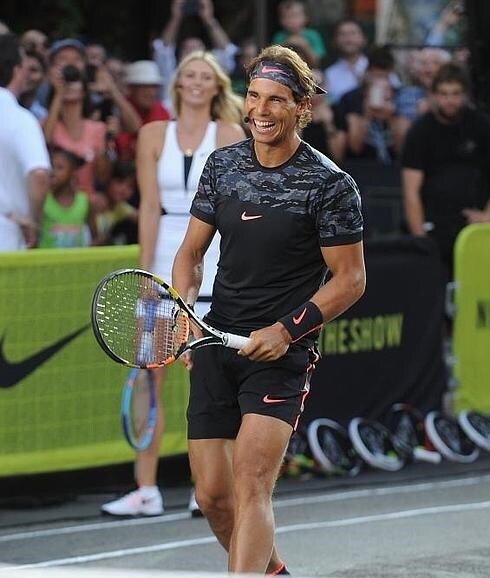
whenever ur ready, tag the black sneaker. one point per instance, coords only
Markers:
(281, 570)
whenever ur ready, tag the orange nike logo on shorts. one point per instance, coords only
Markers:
(246, 217)
(299, 319)
(267, 399)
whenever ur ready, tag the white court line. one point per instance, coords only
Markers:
(279, 503)
(383, 491)
(280, 530)
(96, 526)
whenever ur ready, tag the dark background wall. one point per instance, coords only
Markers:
(126, 26)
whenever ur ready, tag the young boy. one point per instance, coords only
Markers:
(293, 19)
(117, 224)
(67, 219)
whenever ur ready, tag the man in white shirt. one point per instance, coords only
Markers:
(347, 71)
(24, 158)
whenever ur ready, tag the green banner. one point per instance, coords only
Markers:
(472, 320)
(59, 393)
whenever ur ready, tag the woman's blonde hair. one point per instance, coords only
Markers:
(226, 105)
(298, 67)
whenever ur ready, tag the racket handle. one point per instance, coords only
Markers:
(423, 455)
(235, 341)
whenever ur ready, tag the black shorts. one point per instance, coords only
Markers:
(225, 386)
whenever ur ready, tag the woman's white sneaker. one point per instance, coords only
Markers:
(145, 501)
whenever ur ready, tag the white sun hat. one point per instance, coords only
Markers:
(143, 72)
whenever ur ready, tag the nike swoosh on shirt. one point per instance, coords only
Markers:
(11, 373)
(246, 217)
(267, 399)
(299, 319)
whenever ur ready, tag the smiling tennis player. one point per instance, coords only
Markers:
(287, 215)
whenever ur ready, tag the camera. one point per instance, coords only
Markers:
(91, 73)
(190, 7)
(71, 73)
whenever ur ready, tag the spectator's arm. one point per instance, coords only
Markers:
(130, 119)
(336, 139)
(400, 126)
(148, 149)
(337, 144)
(412, 180)
(54, 110)
(169, 33)
(357, 126)
(450, 16)
(103, 157)
(219, 38)
(95, 235)
(37, 188)
(477, 216)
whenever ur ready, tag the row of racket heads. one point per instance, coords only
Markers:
(406, 435)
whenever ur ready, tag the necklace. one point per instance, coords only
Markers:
(188, 152)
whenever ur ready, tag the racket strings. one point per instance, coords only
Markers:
(140, 321)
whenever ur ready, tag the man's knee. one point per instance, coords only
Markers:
(254, 482)
(213, 500)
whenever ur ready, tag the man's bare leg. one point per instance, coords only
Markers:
(211, 463)
(257, 457)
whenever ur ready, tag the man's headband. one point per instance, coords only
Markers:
(282, 73)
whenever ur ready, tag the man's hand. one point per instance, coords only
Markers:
(206, 11)
(267, 344)
(176, 9)
(57, 80)
(476, 216)
(29, 228)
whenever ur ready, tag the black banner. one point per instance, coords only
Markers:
(388, 347)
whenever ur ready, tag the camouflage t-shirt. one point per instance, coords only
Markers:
(272, 222)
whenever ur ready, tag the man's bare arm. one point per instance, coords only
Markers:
(412, 180)
(187, 269)
(346, 263)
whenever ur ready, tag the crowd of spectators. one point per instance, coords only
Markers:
(90, 106)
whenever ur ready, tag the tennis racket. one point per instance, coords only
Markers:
(449, 439)
(476, 426)
(332, 448)
(139, 320)
(139, 408)
(374, 443)
(407, 427)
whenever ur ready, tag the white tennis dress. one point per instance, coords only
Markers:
(176, 198)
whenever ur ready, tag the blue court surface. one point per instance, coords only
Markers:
(425, 521)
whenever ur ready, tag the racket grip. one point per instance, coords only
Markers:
(235, 341)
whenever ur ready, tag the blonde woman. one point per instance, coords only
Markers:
(169, 160)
